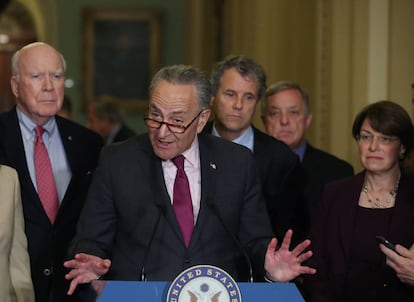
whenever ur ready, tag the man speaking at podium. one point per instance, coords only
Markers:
(173, 198)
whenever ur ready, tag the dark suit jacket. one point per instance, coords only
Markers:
(128, 195)
(320, 168)
(48, 243)
(282, 184)
(123, 134)
(333, 230)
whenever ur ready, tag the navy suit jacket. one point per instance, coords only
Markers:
(320, 168)
(332, 234)
(282, 184)
(47, 243)
(128, 203)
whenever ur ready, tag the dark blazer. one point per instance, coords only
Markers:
(320, 168)
(128, 203)
(332, 234)
(282, 184)
(48, 243)
(123, 133)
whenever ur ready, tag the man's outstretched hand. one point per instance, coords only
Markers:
(84, 269)
(283, 265)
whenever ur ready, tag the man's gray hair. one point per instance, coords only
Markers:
(285, 85)
(186, 75)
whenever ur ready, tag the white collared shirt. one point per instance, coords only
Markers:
(193, 171)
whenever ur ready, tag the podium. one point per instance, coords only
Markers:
(156, 291)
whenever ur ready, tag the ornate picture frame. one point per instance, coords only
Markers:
(122, 51)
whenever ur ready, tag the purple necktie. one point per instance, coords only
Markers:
(183, 207)
(46, 186)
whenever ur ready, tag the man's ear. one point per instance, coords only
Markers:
(202, 121)
(14, 83)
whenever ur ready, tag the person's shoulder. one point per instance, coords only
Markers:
(271, 142)
(72, 127)
(129, 130)
(134, 144)
(208, 128)
(327, 159)
(9, 178)
(316, 152)
(4, 114)
(7, 115)
(125, 131)
(7, 171)
(221, 145)
(268, 148)
(70, 124)
(210, 139)
(407, 181)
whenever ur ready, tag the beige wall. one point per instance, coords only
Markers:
(45, 17)
(401, 52)
(60, 24)
(346, 53)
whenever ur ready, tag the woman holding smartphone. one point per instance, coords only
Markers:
(379, 201)
(401, 260)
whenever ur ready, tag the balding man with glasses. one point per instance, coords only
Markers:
(174, 198)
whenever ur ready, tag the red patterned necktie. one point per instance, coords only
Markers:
(183, 207)
(46, 186)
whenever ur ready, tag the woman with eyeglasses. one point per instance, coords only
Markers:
(379, 201)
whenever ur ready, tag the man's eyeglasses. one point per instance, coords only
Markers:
(383, 140)
(174, 128)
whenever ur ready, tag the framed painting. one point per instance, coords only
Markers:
(122, 51)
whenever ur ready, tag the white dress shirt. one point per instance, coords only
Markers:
(192, 169)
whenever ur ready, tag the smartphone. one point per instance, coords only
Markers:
(388, 244)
